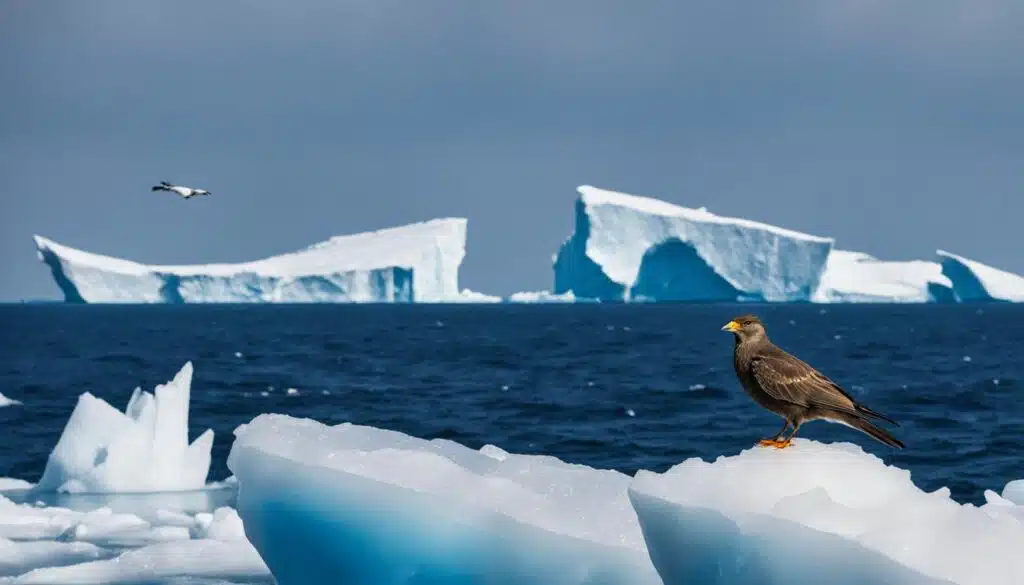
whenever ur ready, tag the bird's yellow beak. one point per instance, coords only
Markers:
(731, 326)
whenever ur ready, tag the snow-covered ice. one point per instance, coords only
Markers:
(626, 247)
(377, 506)
(144, 449)
(817, 513)
(471, 296)
(852, 277)
(974, 281)
(417, 262)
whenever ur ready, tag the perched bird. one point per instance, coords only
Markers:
(185, 192)
(794, 390)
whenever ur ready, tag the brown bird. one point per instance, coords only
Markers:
(794, 390)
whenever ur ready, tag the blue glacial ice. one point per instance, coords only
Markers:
(626, 247)
(368, 506)
(412, 263)
(974, 281)
(373, 506)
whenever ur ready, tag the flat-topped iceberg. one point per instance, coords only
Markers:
(817, 513)
(412, 263)
(366, 506)
(626, 247)
(852, 277)
(974, 281)
(144, 449)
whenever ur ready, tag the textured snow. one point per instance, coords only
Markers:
(627, 247)
(852, 277)
(143, 449)
(374, 506)
(471, 296)
(817, 513)
(416, 262)
(974, 281)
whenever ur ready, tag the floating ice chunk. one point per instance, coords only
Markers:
(818, 513)
(626, 247)
(974, 281)
(542, 296)
(20, 557)
(10, 484)
(1014, 492)
(5, 401)
(143, 449)
(161, 563)
(471, 296)
(852, 277)
(224, 524)
(368, 506)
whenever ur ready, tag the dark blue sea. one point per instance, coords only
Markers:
(612, 386)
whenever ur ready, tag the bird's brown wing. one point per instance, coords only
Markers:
(789, 379)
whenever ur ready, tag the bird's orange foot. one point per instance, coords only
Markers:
(774, 443)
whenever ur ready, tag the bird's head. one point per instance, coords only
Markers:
(745, 327)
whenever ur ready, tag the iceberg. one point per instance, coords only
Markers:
(144, 449)
(974, 281)
(855, 277)
(626, 247)
(412, 263)
(817, 513)
(367, 506)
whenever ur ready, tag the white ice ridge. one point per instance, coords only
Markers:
(412, 263)
(852, 277)
(541, 296)
(144, 449)
(974, 281)
(629, 247)
(817, 513)
(370, 506)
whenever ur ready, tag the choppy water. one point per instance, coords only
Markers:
(621, 386)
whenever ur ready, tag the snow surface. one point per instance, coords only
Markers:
(852, 277)
(416, 262)
(377, 506)
(143, 449)
(974, 281)
(627, 247)
(817, 513)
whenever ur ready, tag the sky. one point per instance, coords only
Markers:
(894, 127)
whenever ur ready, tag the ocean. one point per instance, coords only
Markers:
(611, 386)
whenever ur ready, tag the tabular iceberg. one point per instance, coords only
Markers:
(626, 247)
(144, 449)
(855, 277)
(369, 506)
(412, 263)
(974, 281)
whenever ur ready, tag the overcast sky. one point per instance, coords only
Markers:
(894, 127)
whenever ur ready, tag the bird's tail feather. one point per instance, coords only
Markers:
(876, 433)
(867, 412)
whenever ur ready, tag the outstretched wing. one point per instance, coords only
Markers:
(789, 379)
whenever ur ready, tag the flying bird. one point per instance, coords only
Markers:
(185, 192)
(794, 390)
